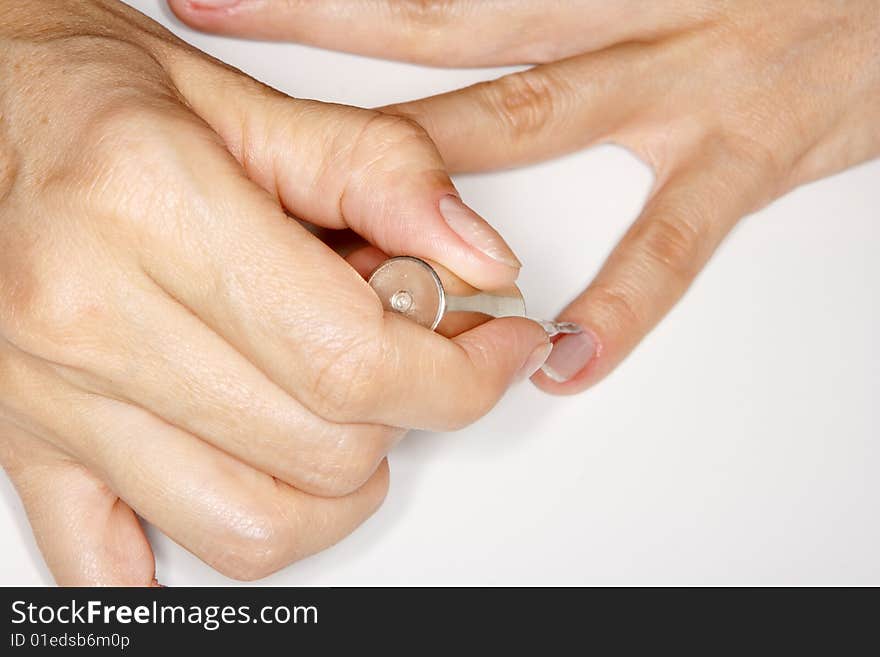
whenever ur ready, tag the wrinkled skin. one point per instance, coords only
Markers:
(733, 103)
(172, 344)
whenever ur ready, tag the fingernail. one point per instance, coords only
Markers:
(570, 355)
(534, 361)
(476, 231)
(212, 4)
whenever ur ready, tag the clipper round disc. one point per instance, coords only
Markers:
(410, 287)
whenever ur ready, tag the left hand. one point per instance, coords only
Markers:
(172, 346)
(733, 104)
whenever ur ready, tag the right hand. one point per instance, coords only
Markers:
(172, 345)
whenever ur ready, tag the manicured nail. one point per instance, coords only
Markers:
(570, 355)
(476, 231)
(533, 363)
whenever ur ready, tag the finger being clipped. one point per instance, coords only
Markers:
(654, 264)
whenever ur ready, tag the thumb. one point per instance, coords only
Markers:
(88, 536)
(345, 167)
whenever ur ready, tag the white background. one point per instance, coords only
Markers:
(738, 445)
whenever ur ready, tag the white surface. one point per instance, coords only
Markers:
(738, 445)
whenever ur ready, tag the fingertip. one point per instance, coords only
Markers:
(444, 232)
(526, 333)
(494, 262)
(476, 232)
(534, 362)
(508, 346)
(180, 8)
(576, 362)
(544, 382)
(496, 355)
(206, 15)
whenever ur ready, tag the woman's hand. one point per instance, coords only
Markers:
(733, 103)
(172, 344)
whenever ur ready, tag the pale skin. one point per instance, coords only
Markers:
(173, 345)
(733, 103)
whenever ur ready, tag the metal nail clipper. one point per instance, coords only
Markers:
(438, 300)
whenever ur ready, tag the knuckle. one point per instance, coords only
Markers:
(424, 13)
(386, 132)
(123, 133)
(619, 304)
(675, 244)
(128, 165)
(255, 544)
(52, 314)
(420, 23)
(524, 102)
(348, 464)
(344, 378)
(386, 148)
(111, 82)
(122, 121)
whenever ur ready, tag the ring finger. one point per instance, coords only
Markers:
(191, 378)
(242, 522)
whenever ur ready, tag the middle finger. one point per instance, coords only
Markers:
(187, 375)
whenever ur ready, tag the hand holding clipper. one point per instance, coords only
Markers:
(435, 298)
